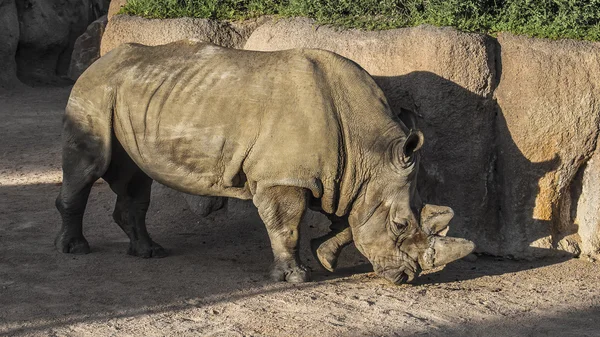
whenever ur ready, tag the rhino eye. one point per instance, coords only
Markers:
(399, 227)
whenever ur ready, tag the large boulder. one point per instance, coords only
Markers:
(124, 29)
(100, 8)
(48, 30)
(87, 48)
(447, 78)
(9, 39)
(587, 219)
(547, 130)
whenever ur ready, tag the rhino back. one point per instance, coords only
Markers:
(215, 121)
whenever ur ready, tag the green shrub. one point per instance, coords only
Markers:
(578, 19)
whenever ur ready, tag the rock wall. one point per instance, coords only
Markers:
(48, 30)
(547, 128)
(87, 48)
(9, 39)
(586, 221)
(37, 37)
(123, 29)
(511, 125)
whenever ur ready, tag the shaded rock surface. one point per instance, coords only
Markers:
(48, 30)
(125, 29)
(418, 70)
(547, 129)
(87, 48)
(587, 219)
(9, 39)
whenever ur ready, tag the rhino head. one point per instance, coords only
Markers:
(398, 236)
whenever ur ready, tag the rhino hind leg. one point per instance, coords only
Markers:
(281, 208)
(133, 188)
(84, 160)
(327, 248)
(71, 203)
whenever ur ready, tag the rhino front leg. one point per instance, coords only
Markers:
(130, 215)
(281, 209)
(327, 248)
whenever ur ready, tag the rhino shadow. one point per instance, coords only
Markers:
(471, 163)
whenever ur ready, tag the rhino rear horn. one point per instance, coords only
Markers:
(444, 250)
(435, 219)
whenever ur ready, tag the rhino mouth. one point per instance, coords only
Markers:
(397, 275)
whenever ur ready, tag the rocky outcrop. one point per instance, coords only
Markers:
(123, 29)
(87, 48)
(548, 127)
(48, 30)
(9, 38)
(587, 213)
(418, 70)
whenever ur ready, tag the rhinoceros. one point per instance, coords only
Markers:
(290, 130)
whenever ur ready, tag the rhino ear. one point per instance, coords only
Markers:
(412, 144)
(408, 118)
(434, 219)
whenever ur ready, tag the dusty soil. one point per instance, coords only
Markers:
(214, 282)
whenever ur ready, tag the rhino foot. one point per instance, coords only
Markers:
(288, 273)
(146, 250)
(325, 253)
(71, 245)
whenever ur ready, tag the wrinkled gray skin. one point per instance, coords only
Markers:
(289, 130)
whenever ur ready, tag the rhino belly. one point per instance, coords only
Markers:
(200, 163)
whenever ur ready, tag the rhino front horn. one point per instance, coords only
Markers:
(435, 219)
(443, 250)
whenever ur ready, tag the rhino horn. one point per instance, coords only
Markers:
(435, 219)
(443, 250)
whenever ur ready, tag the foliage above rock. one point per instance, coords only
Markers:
(577, 19)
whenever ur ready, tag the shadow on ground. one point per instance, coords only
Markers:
(222, 258)
(577, 323)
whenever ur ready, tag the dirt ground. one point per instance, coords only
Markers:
(214, 282)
